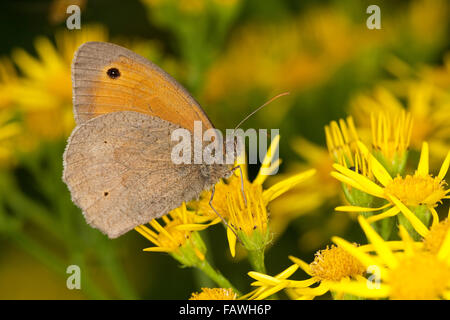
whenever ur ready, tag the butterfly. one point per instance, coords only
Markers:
(117, 162)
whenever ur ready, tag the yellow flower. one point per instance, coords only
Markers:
(178, 236)
(329, 266)
(298, 54)
(427, 105)
(248, 216)
(391, 135)
(8, 78)
(412, 273)
(427, 21)
(439, 75)
(435, 238)
(334, 264)
(41, 96)
(214, 294)
(413, 190)
(175, 236)
(342, 142)
(45, 91)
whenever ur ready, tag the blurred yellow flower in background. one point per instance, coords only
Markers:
(439, 75)
(39, 97)
(295, 55)
(313, 192)
(44, 92)
(426, 20)
(428, 106)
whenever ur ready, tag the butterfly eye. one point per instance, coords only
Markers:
(113, 73)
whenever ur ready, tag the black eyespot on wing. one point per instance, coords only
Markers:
(113, 73)
(106, 193)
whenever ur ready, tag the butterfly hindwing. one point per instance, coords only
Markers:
(119, 170)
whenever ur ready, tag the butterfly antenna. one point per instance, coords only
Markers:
(240, 123)
(259, 108)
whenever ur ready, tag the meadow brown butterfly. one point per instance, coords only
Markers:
(117, 163)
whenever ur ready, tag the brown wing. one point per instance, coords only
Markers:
(108, 78)
(118, 168)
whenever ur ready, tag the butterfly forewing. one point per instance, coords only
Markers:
(108, 78)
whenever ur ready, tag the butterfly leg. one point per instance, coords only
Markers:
(220, 216)
(242, 182)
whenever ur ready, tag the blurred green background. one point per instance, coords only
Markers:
(232, 55)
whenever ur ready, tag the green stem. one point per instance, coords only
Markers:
(256, 258)
(216, 276)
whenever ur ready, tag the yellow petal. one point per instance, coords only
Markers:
(249, 295)
(390, 213)
(422, 169)
(281, 187)
(364, 258)
(377, 168)
(415, 222)
(269, 280)
(368, 185)
(302, 264)
(321, 289)
(266, 169)
(197, 226)
(281, 276)
(360, 209)
(148, 234)
(394, 245)
(383, 250)
(346, 180)
(271, 291)
(444, 251)
(302, 283)
(255, 293)
(407, 240)
(360, 289)
(444, 167)
(435, 216)
(288, 272)
(157, 249)
(446, 295)
(231, 241)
